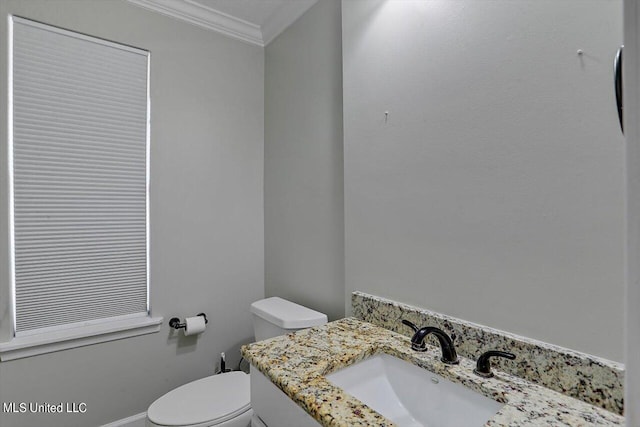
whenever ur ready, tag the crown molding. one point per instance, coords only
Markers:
(284, 16)
(205, 17)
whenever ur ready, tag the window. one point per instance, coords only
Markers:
(79, 129)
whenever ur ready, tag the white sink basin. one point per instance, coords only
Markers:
(411, 396)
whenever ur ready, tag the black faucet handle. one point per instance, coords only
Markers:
(417, 343)
(483, 365)
(410, 324)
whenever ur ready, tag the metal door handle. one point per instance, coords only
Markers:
(617, 71)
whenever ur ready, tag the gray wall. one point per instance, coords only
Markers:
(631, 74)
(206, 215)
(494, 191)
(304, 240)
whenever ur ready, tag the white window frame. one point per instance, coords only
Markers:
(26, 344)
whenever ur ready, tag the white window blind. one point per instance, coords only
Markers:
(79, 159)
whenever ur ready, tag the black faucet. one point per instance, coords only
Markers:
(449, 355)
(483, 365)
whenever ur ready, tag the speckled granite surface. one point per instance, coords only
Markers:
(297, 363)
(585, 377)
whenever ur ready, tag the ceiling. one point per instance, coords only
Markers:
(252, 21)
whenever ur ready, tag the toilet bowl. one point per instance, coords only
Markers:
(219, 400)
(224, 400)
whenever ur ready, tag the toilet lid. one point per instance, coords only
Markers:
(217, 398)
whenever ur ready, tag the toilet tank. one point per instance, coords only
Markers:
(276, 316)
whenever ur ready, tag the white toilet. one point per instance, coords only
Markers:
(224, 400)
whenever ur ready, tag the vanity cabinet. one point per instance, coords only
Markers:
(273, 406)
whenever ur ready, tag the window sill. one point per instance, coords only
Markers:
(33, 345)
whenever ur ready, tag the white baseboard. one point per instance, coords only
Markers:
(137, 420)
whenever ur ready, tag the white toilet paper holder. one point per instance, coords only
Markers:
(174, 322)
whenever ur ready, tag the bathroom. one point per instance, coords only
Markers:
(468, 161)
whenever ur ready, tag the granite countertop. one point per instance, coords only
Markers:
(298, 362)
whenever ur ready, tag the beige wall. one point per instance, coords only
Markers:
(206, 215)
(304, 232)
(494, 191)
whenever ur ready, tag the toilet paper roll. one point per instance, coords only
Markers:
(195, 325)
